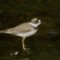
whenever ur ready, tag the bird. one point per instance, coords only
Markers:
(25, 30)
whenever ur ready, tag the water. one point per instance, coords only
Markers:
(41, 48)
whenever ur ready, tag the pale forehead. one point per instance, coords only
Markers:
(34, 19)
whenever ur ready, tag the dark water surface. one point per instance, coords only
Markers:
(41, 48)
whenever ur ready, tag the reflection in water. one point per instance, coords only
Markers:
(14, 53)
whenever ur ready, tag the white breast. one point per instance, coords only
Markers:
(27, 34)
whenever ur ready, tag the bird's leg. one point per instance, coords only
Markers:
(23, 45)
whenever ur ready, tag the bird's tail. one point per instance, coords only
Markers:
(2, 31)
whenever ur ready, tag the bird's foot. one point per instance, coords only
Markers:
(27, 50)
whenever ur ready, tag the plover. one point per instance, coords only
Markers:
(25, 30)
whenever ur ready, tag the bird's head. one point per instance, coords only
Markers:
(35, 22)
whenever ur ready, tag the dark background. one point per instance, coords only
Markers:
(45, 44)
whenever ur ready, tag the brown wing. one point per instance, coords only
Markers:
(20, 28)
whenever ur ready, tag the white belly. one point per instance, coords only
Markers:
(27, 34)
